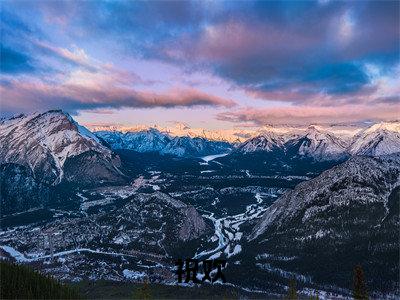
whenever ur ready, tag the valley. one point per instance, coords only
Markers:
(269, 206)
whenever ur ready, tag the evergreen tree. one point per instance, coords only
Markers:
(359, 287)
(143, 292)
(292, 292)
(22, 282)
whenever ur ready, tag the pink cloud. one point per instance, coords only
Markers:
(310, 114)
(22, 96)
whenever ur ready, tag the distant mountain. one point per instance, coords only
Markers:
(320, 144)
(348, 215)
(152, 140)
(266, 142)
(42, 150)
(238, 135)
(187, 146)
(379, 139)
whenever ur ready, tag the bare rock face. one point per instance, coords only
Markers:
(346, 216)
(46, 142)
(38, 152)
(359, 180)
(193, 225)
(19, 189)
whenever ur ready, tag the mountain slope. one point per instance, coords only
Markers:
(152, 140)
(321, 144)
(318, 145)
(39, 152)
(379, 139)
(266, 142)
(346, 216)
(48, 142)
(186, 146)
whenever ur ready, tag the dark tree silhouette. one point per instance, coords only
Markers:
(359, 287)
(22, 282)
(292, 292)
(143, 292)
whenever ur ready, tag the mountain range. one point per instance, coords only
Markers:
(346, 216)
(306, 203)
(379, 139)
(315, 142)
(152, 140)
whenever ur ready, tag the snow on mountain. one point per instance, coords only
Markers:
(325, 143)
(319, 145)
(379, 139)
(346, 216)
(266, 142)
(186, 146)
(311, 143)
(237, 135)
(360, 179)
(45, 142)
(183, 130)
(152, 140)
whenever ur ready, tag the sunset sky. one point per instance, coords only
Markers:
(209, 64)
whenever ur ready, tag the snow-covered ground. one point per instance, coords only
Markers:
(20, 257)
(227, 230)
(209, 158)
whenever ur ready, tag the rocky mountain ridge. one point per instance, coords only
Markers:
(379, 139)
(346, 216)
(152, 140)
(51, 143)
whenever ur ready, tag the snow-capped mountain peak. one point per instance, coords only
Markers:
(320, 145)
(379, 139)
(265, 142)
(152, 140)
(45, 141)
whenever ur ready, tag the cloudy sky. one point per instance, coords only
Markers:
(209, 64)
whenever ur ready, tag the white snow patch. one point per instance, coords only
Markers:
(135, 275)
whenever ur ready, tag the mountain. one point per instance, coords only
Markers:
(379, 139)
(56, 148)
(318, 145)
(187, 146)
(237, 135)
(42, 150)
(152, 140)
(266, 142)
(346, 216)
(313, 143)
(322, 143)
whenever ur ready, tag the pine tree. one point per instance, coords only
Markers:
(359, 287)
(292, 292)
(22, 282)
(143, 292)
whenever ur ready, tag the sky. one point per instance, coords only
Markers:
(208, 64)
